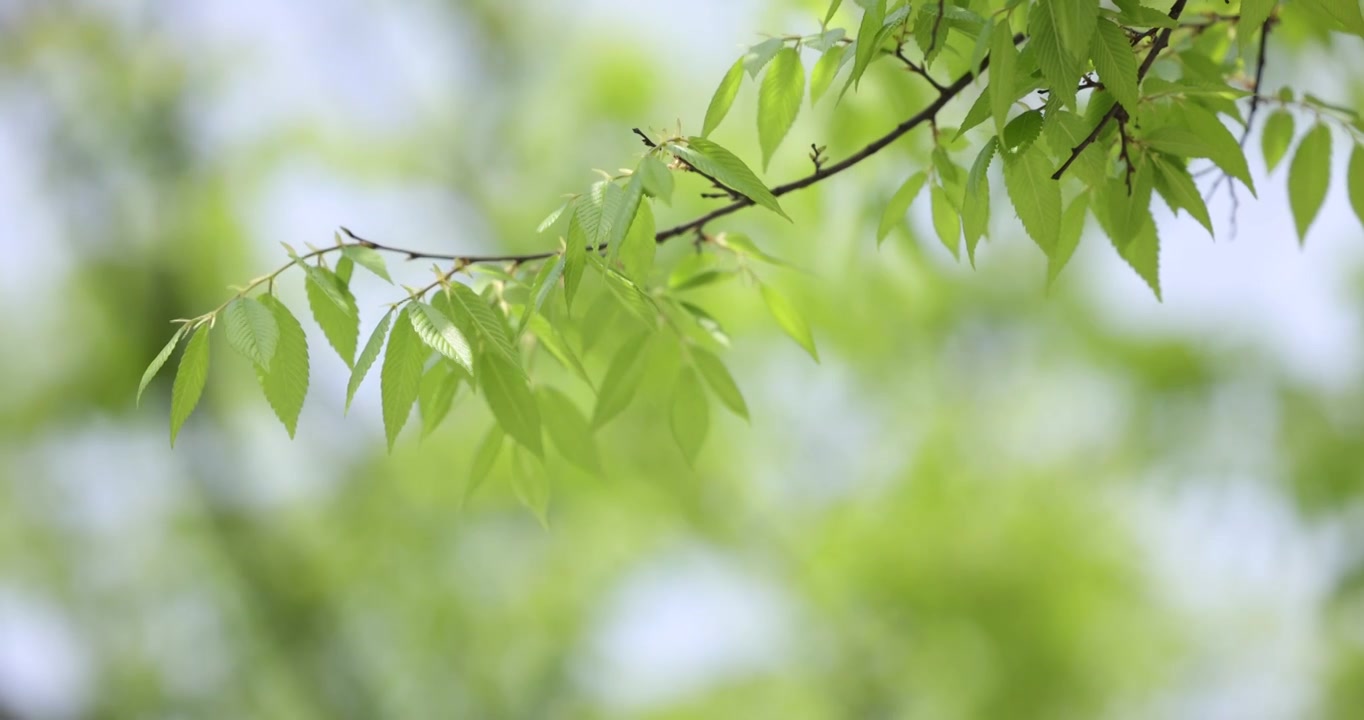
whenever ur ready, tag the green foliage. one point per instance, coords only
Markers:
(783, 87)
(1309, 176)
(285, 383)
(189, 380)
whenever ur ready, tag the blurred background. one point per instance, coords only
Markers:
(988, 501)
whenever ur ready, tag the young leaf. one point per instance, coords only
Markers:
(189, 380)
(340, 322)
(251, 330)
(369, 259)
(1275, 138)
(367, 356)
(1343, 12)
(617, 387)
(723, 97)
(1054, 56)
(569, 430)
(400, 377)
(436, 394)
(622, 216)
(531, 485)
(728, 169)
(657, 179)
(779, 96)
(1355, 180)
(1072, 227)
(1003, 58)
(439, 334)
(508, 394)
(575, 258)
(286, 382)
(866, 49)
(1202, 135)
(1254, 13)
(744, 245)
(1176, 186)
(1143, 254)
(638, 248)
(1035, 196)
(826, 68)
(1074, 21)
(552, 341)
(345, 268)
(1112, 56)
(759, 55)
(552, 218)
(544, 283)
(690, 417)
(975, 218)
(899, 204)
(1309, 175)
(468, 310)
(720, 381)
(946, 220)
(155, 366)
(708, 324)
(790, 320)
(833, 8)
(484, 458)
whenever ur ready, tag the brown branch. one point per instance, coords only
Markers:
(1162, 39)
(916, 68)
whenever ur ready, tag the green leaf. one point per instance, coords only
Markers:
(899, 204)
(622, 216)
(367, 356)
(1143, 254)
(1003, 58)
(824, 71)
(744, 245)
(251, 330)
(1072, 227)
(155, 366)
(1254, 13)
(946, 220)
(569, 430)
(1176, 186)
(508, 394)
(369, 259)
(824, 40)
(1022, 131)
(1309, 175)
(439, 334)
(976, 179)
(1075, 20)
(1202, 135)
(617, 387)
(484, 458)
(1131, 207)
(1056, 60)
(699, 279)
(1035, 196)
(545, 281)
(1117, 67)
(1276, 137)
(867, 47)
(720, 381)
(553, 218)
(728, 169)
(690, 416)
(638, 248)
(982, 45)
(1343, 12)
(833, 8)
(531, 485)
(779, 96)
(575, 258)
(552, 341)
(400, 377)
(707, 323)
(975, 218)
(1066, 130)
(472, 313)
(345, 268)
(632, 296)
(759, 55)
(657, 179)
(1355, 179)
(790, 320)
(189, 380)
(1134, 14)
(723, 98)
(436, 394)
(339, 322)
(286, 382)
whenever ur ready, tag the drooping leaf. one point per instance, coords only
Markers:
(824, 71)
(759, 55)
(1309, 176)
(617, 387)
(1275, 138)
(1254, 13)
(1074, 21)
(1020, 133)
(622, 216)
(368, 356)
(507, 391)
(744, 245)
(723, 98)
(553, 342)
(690, 416)
(484, 458)
(552, 218)
(728, 169)
(946, 219)
(1202, 135)
(1003, 57)
(545, 282)
(638, 248)
(707, 322)
(251, 330)
(779, 96)
(899, 204)
(530, 484)
(436, 394)
(1355, 181)
(981, 48)
(1176, 186)
(1057, 61)
(440, 334)
(369, 259)
(720, 381)
(632, 296)
(286, 382)
(866, 49)
(340, 323)
(1345, 13)
(790, 320)
(473, 315)
(1117, 66)
(1072, 227)
(575, 258)
(400, 377)
(345, 268)
(569, 430)
(975, 218)
(1035, 196)
(657, 179)
(157, 362)
(1143, 254)
(1130, 203)
(189, 380)
(833, 8)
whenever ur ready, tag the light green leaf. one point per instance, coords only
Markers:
(1343, 12)
(779, 96)
(899, 204)
(1202, 135)
(1072, 227)
(1309, 175)
(657, 179)
(400, 377)
(569, 430)
(575, 258)
(638, 248)
(1355, 179)
(1130, 208)
(708, 324)
(251, 330)
(368, 356)
(340, 323)
(982, 45)
(484, 458)
(720, 381)
(723, 98)
(1276, 137)
(1075, 20)
(622, 216)
(690, 416)
(632, 296)
(530, 483)
(1003, 58)
(1143, 254)
(975, 218)
(1113, 59)
(286, 382)
(824, 71)
(1054, 56)
(946, 220)
(1035, 196)
(440, 334)
(473, 315)
(436, 394)
(833, 8)
(508, 394)
(759, 55)
(545, 282)
(617, 387)
(1022, 131)
(553, 218)
(155, 366)
(867, 47)
(1254, 13)
(1176, 186)
(1134, 14)
(1065, 130)
(189, 380)
(552, 341)
(345, 268)
(790, 320)
(744, 245)
(367, 258)
(728, 169)
(824, 40)
(976, 179)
